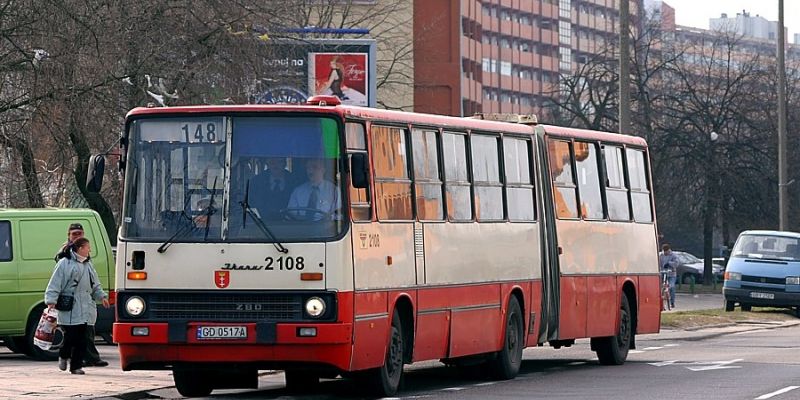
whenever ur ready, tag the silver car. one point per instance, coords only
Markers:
(690, 266)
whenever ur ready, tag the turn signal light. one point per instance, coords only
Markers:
(311, 276)
(137, 275)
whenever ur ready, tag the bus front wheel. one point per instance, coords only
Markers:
(613, 350)
(386, 379)
(192, 383)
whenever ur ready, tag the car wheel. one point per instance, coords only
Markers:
(746, 307)
(32, 349)
(729, 305)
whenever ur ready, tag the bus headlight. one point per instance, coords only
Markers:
(793, 280)
(134, 306)
(315, 307)
(733, 276)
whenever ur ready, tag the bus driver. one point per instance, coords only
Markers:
(316, 194)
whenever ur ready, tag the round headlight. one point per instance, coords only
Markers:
(315, 307)
(134, 306)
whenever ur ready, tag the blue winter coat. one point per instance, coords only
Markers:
(81, 280)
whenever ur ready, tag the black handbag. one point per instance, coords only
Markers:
(65, 302)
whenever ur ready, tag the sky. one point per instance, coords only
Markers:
(695, 13)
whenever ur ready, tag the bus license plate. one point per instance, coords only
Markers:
(759, 295)
(221, 332)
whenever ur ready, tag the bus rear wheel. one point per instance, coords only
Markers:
(613, 350)
(192, 383)
(508, 360)
(386, 379)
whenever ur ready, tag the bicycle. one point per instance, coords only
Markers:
(666, 305)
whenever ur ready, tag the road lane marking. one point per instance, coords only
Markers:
(700, 365)
(777, 392)
(653, 348)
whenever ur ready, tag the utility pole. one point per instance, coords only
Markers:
(783, 201)
(624, 68)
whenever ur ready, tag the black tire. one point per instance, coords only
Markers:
(300, 380)
(192, 383)
(747, 307)
(729, 305)
(508, 360)
(33, 350)
(797, 311)
(613, 350)
(387, 379)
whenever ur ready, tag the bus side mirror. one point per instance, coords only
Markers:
(94, 177)
(359, 170)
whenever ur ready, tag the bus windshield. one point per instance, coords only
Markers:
(189, 181)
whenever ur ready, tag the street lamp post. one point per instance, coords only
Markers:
(709, 217)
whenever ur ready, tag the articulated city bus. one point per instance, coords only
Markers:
(328, 240)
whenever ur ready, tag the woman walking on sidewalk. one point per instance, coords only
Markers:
(75, 277)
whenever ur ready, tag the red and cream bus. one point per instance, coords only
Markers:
(323, 239)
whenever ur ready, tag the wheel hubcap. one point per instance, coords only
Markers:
(624, 329)
(395, 362)
(512, 336)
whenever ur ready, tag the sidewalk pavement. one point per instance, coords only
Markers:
(25, 378)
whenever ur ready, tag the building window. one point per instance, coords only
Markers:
(505, 68)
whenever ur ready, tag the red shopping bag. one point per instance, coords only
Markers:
(46, 331)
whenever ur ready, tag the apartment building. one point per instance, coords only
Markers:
(473, 56)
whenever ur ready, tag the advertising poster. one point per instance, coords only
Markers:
(343, 75)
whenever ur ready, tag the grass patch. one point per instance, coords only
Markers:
(698, 318)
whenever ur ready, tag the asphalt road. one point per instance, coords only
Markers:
(758, 364)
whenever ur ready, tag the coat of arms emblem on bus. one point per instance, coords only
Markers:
(222, 279)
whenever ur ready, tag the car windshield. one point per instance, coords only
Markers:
(687, 258)
(770, 247)
(286, 170)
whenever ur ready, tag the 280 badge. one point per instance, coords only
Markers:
(282, 263)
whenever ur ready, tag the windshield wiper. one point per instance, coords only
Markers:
(180, 232)
(207, 213)
(259, 222)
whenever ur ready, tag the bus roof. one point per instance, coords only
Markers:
(594, 135)
(447, 122)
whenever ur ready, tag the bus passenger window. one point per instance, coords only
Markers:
(560, 161)
(519, 187)
(459, 201)
(427, 179)
(588, 180)
(360, 207)
(486, 175)
(392, 183)
(616, 190)
(640, 193)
